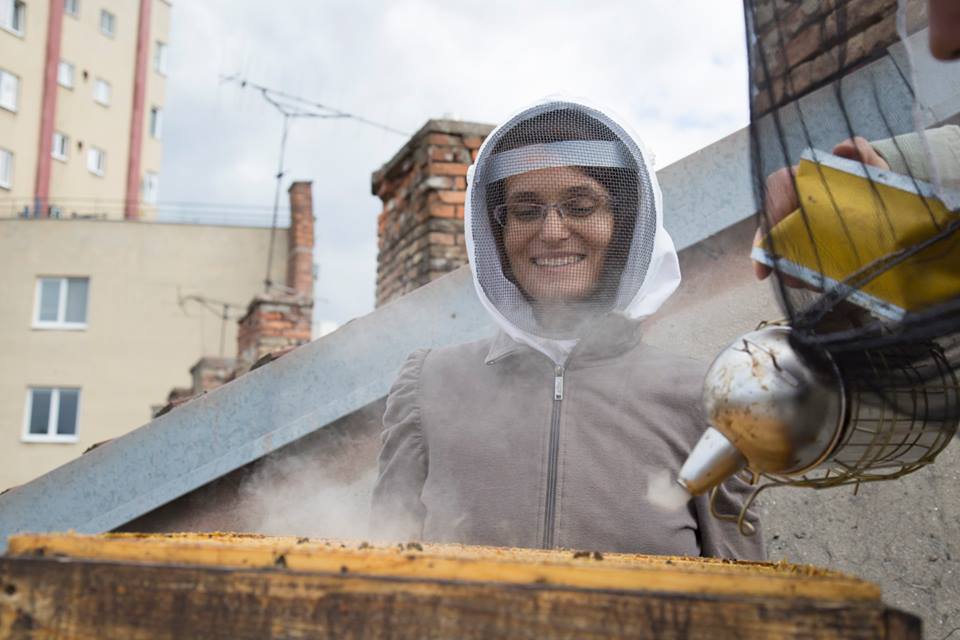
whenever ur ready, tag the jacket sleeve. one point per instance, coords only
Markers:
(905, 153)
(722, 538)
(397, 512)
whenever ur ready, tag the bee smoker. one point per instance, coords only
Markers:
(792, 415)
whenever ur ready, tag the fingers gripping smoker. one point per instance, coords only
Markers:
(793, 415)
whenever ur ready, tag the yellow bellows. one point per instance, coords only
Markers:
(859, 225)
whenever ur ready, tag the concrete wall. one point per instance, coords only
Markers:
(139, 341)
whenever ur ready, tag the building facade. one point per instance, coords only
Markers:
(102, 317)
(81, 106)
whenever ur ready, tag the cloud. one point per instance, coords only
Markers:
(675, 70)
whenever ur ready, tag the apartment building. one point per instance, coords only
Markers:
(101, 318)
(81, 107)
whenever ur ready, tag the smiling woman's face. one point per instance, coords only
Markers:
(558, 258)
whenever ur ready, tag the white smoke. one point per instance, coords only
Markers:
(312, 494)
(664, 492)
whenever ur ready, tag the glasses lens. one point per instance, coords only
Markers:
(582, 205)
(524, 211)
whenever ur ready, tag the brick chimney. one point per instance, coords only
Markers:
(803, 37)
(300, 235)
(420, 231)
(282, 318)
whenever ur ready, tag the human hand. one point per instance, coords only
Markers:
(781, 194)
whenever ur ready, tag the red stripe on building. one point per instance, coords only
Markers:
(132, 202)
(48, 108)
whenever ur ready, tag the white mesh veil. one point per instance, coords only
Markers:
(564, 225)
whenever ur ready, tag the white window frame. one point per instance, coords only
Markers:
(160, 54)
(151, 187)
(5, 78)
(60, 323)
(6, 168)
(72, 8)
(51, 435)
(14, 19)
(100, 167)
(110, 30)
(60, 151)
(156, 122)
(102, 99)
(66, 74)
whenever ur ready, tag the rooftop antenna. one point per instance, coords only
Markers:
(291, 106)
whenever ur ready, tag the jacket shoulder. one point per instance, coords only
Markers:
(459, 356)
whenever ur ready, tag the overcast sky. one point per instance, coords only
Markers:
(674, 69)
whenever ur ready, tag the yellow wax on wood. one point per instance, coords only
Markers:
(566, 568)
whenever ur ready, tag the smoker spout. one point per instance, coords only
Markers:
(713, 460)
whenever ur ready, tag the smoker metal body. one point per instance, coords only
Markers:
(792, 415)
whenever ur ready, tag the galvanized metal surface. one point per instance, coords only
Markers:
(332, 377)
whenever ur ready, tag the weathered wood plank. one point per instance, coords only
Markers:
(457, 562)
(244, 586)
(45, 597)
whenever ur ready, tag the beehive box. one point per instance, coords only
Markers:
(246, 586)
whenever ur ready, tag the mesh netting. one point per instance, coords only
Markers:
(856, 193)
(563, 219)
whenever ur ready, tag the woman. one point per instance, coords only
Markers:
(550, 433)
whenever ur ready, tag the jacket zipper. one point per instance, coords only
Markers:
(552, 460)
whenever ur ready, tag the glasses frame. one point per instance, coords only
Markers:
(604, 202)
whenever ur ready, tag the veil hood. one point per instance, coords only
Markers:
(641, 268)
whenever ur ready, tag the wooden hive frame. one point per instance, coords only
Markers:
(247, 586)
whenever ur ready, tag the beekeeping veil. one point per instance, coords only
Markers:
(564, 225)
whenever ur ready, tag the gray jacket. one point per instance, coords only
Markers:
(490, 443)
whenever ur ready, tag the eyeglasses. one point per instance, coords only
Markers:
(578, 207)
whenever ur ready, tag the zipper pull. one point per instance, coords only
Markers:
(558, 383)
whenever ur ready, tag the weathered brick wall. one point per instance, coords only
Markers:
(808, 43)
(211, 372)
(300, 245)
(281, 319)
(423, 188)
(272, 323)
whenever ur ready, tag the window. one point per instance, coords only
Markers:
(9, 89)
(61, 145)
(160, 58)
(151, 187)
(51, 414)
(156, 121)
(6, 168)
(96, 160)
(71, 8)
(65, 74)
(13, 15)
(107, 22)
(61, 303)
(101, 91)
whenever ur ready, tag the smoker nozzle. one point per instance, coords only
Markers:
(782, 405)
(713, 460)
